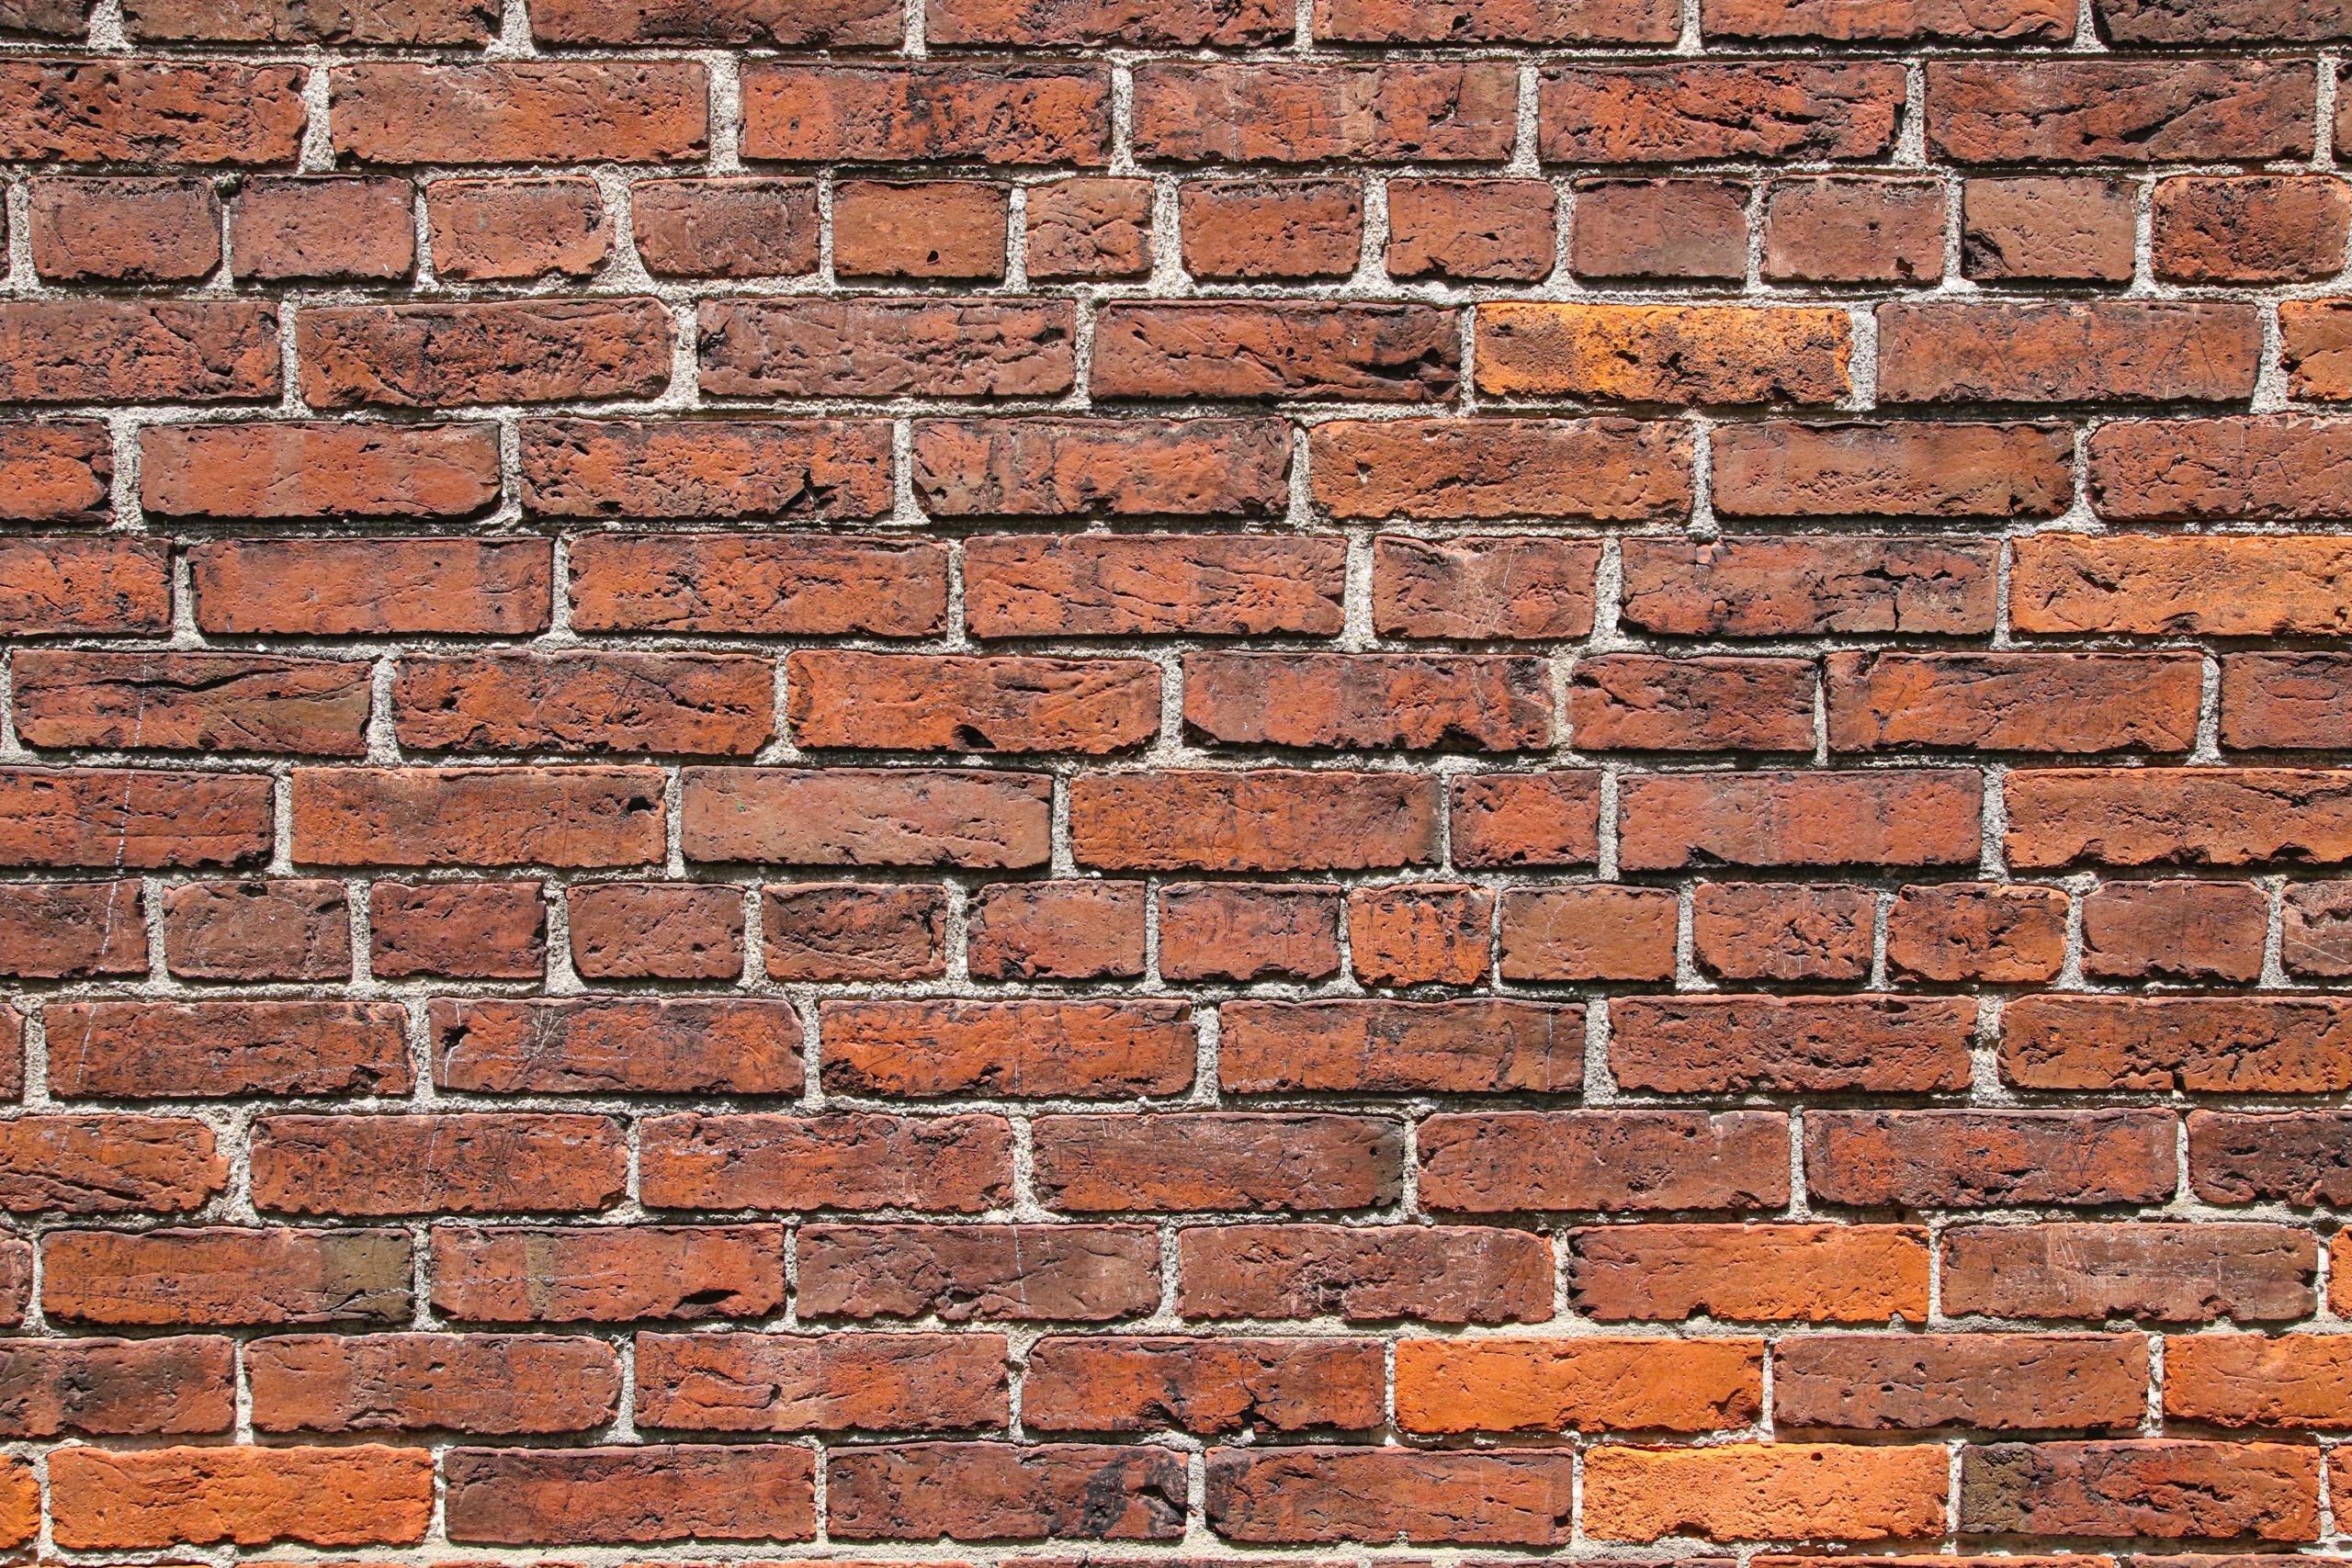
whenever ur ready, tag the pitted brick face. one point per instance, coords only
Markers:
(1052, 783)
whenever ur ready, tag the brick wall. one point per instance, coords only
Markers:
(796, 778)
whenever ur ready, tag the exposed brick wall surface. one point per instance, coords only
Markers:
(1040, 781)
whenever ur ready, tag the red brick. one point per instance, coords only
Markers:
(1709, 111)
(1920, 817)
(1545, 820)
(1984, 931)
(1090, 227)
(1589, 1384)
(181, 1386)
(1763, 1273)
(1473, 230)
(2013, 701)
(2176, 816)
(2312, 934)
(1840, 21)
(137, 350)
(1021, 1049)
(1783, 931)
(1854, 230)
(2167, 1271)
(1248, 932)
(1994, 1381)
(993, 1272)
(2051, 351)
(1637, 701)
(1419, 933)
(2277, 468)
(508, 351)
(1587, 932)
(884, 348)
(2171, 1490)
(732, 227)
(1180, 1162)
(458, 1163)
(291, 472)
(2289, 1157)
(1263, 819)
(1909, 470)
(570, 817)
(521, 112)
(285, 22)
(423, 1383)
(606, 1274)
(2174, 931)
(647, 1493)
(847, 931)
(59, 472)
(226, 1276)
(1733, 1044)
(252, 1497)
(65, 586)
(1677, 355)
(925, 110)
(206, 1050)
(72, 930)
(290, 929)
(1434, 1273)
(151, 230)
(839, 23)
(1521, 1499)
(834, 1383)
(1192, 112)
(926, 703)
(487, 931)
(937, 229)
(1805, 585)
(2178, 584)
(1056, 930)
(144, 819)
(2066, 111)
(1004, 1492)
(1778, 1491)
(654, 931)
(1128, 585)
(516, 230)
(1377, 352)
(1253, 231)
(2253, 1379)
(329, 229)
(1613, 470)
(1968, 1160)
(1369, 702)
(92, 111)
(1683, 229)
(1038, 467)
(853, 1160)
(703, 469)
(613, 1045)
(327, 587)
(772, 585)
(98, 1164)
(1629, 1160)
(866, 816)
(1208, 1386)
(1388, 1047)
(2047, 228)
(681, 704)
(1496, 21)
(2250, 229)
(1121, 22)
(2313, 338)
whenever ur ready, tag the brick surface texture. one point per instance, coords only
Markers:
(1173, 784)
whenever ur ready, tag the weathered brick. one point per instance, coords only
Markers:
(1779, 1491)
(522, 1384)
(1664, 354)
(2050, 352)
(149, 231)
(205, 1050)
(1589, 1383)
(574, 816)
(851, 1160)
(1611, 1160)
(1208, 1386)
(2013, 701)
(226, 1276)
(507, 351)
(1699, 1045)
(459, 1162)
(681, 704)
(290, 472)
(326, 587)
(1379, 1047)
(2168, 1489)
(607, 1044)
(2167, 1271)
(866, 816)
(993, 1272)
(1963, 1160)
(1766, 1273)
(729, 227)
(519, 231)
(1908, 469)
(1263, 819)
(1375, 352)
(1612, 470)
(521, 112)
(606, 1274)
(1992, 1381)
(2070, 111)
(252, 1497)
(1504, 1497)
(833, 1382)
(647, 1493)
(99, 111)
(1434, 1273)
(1004, 1492)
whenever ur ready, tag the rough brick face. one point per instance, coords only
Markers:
(1042, 784)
